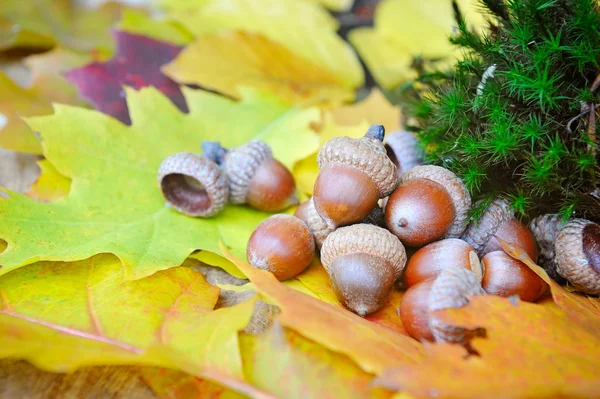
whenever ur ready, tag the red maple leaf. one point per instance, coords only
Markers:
(137, 64)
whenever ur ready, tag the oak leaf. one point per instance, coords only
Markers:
(115, 204)
(530, 351)
(136, 64)
(228, 61)
(60, 316)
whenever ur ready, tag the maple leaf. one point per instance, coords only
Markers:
(227, 61)
(136, 64)
(374, 109)
(406, 29)
(531, 351)
(168, 319)
(173, 384)
(280, 21)
(115, 204)
(50, 184)
(372, 347)
(140, 23)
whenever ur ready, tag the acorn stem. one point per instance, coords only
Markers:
(376, 132)
(214, 151)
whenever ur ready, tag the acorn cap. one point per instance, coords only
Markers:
(545, 229)
(241, 164)
(405, 150)
(316, 224)
(461, 199)
(193, 185)
(577, 254)
(366, 154)
(480, 232)
(451, 289)
(364, 239)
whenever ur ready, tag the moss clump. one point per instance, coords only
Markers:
(516, 115)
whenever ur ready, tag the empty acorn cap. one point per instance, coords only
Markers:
(403, 149)
(364, 239)
(241, 164)
(451, 289)
(479, 233)
(545, 229)
(461, 199)
(366, 154)
(193, 185)
(577, 254)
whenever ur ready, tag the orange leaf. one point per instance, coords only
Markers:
(582, 309)
(531, 351)
(389, 315)
(372, 347)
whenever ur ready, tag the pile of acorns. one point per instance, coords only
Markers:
(369, 203)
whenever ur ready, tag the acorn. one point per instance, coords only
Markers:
(429, 261)
(193, 185)
(577, 254)
(354, 175)
(498, 221)
(258, 179)
(403, 149)
(545, 229)
(362, 261)
(506, 276)
(450, 289)
(431, 203)
(281, 244)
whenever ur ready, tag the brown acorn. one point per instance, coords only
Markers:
(403, 149)
(498, 221)
(354, 175)
(431, 203)
(577, 254)
(193, 185)
(414, 311)
(429, 261)
(506, 276)
(258, 179)
(362, 261)
(545, 229)
(281, 244)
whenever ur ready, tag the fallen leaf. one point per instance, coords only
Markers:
(173, 384)
(389, 315)
(225, 62)
(50, 185)
(336, 5)
(407, 29)
(136, 64)
(374, 109)
(50, 309)
(306, 171)
(286, 364)
(374, 348)
(115, 204)
(15, 102)
(281, 21)
(140, 23)
(582, 309)
(11, 37)
(531, 351)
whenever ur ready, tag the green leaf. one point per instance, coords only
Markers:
(115, 204)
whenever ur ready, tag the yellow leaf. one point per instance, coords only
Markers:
(306, 170)
(408, 28)
(60, 316)
(227, 61)
(50, 185)
(336, 5)
(138, 22)
(302, 27)
(374, 109)
(213, 259)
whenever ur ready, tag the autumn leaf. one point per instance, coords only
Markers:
(136, 64)
(281, 21)
(227, 61)
(140, 23)
(374, 348)
(49, 309)
(406, 29)
(115, 204)
(173, 384)
(288, 365)
(50, 184)
(582, 309)
(15, 102)
(374, 109)
(531, 351)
